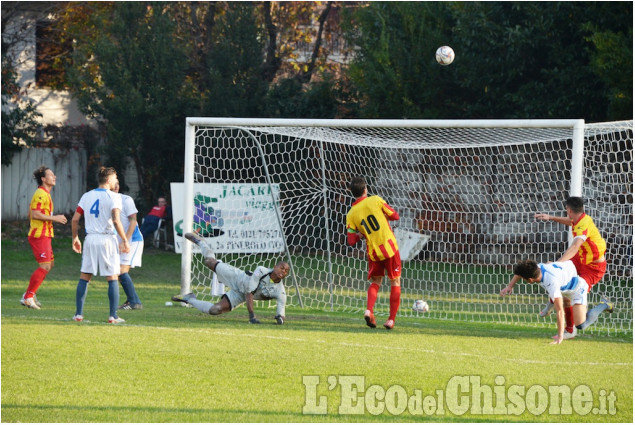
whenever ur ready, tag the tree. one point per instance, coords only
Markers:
(394, 69)
(128, 72)
(514, 60)
(235, 83)
(612, 56)
(533, 60)
(20, 124)
(20, 120)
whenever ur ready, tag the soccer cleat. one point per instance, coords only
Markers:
(37, 302)
(608, 303)
(115, 320)
(30, 303)
(545, 311)
(389, 324)
(78, 317)
(370, 319)
(570, 335)
(130, 306)
(182, 298)
(196, 239)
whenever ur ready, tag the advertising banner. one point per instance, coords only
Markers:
(233, 218)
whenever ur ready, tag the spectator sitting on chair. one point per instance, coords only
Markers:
(150, 222)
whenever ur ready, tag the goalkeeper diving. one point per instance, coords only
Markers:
(245, 287)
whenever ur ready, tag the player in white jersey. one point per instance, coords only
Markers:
(100, 208)
(561, 280)
(132, 258)
(262, 284)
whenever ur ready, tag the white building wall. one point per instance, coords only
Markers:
(18, 183)
(57, 108)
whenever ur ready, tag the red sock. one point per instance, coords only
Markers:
(568, 318)
(372, 296)
(36, 280)
(395, 299)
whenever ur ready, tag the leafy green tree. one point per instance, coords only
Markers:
(394, 70)
(514, 60)
(532, 60)
(235, 84)
(289, 98)
(612, 56)
(129, 73)
(20, 123)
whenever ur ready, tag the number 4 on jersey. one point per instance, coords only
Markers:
(94, 210)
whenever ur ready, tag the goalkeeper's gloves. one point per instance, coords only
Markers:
(253, 320)
(279, 319)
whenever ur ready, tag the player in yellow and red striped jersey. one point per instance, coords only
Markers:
(586, 252)
(368, 217)
(41, 232)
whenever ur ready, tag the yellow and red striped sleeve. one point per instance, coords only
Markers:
(594, 245)
(43, 203)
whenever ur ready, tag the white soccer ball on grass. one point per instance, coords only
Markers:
(420, 306)
(445, 55)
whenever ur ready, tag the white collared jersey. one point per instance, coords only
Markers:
(129, 208)
(266, 289)
(258, 283)
(97, 206)
(560, 279)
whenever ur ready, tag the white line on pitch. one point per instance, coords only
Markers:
(350, 344)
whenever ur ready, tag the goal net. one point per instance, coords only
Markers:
(262, 190)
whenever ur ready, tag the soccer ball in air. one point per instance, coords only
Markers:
(420, 306)
(445, 55)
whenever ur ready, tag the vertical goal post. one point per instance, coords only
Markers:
(454, 183)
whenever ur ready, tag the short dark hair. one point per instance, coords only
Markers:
(39, 174)
(357, 186)
(104, 173)
(527, 269)
(575, 203)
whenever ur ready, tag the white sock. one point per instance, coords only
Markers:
(202, 306)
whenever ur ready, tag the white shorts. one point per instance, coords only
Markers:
(100, 253)
(235, 298)
(233, 277)
(236, 279)
(133, 257)
(579, 294)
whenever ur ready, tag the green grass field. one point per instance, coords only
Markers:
(174, 364)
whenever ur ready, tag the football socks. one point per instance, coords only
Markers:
(372, 296)
(395, 299)
(36, 280)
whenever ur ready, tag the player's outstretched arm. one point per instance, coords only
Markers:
(249, 298)
(509, 289)
(546, 217)
(280, 306)
(558, 305)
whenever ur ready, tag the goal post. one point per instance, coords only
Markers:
(265, 190)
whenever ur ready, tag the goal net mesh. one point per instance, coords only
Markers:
(466, 199)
